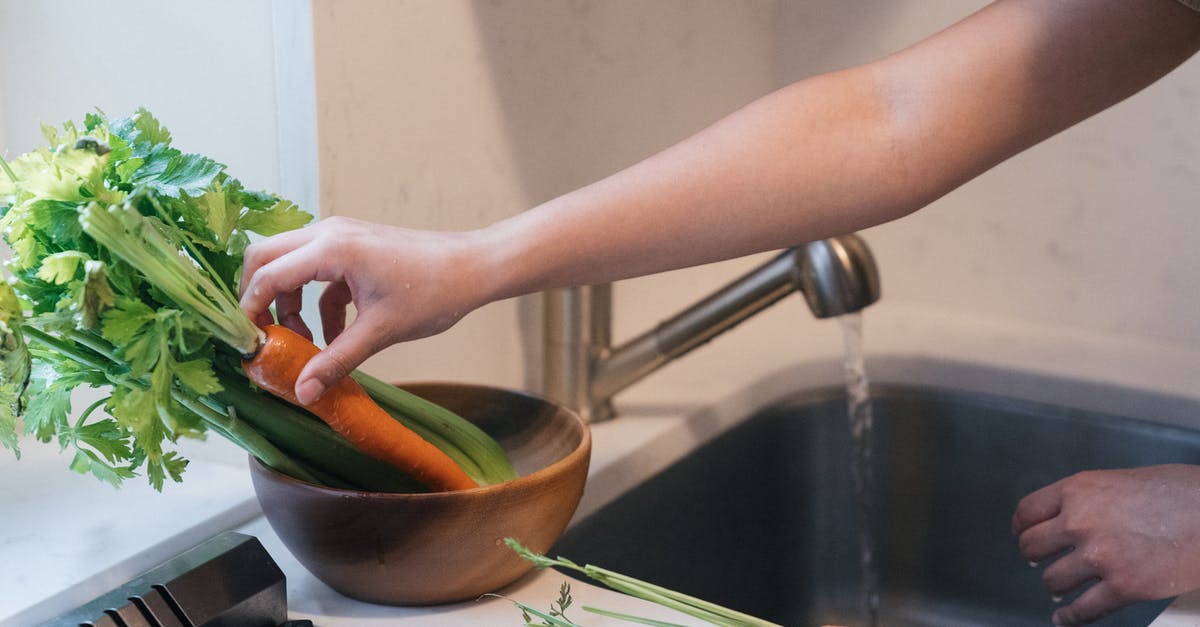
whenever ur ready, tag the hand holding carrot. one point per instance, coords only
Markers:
(404, 285)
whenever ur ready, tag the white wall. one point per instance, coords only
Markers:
(207, 70)
(231, 79)
(1077, 257)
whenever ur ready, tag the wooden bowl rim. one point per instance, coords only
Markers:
(582, 450)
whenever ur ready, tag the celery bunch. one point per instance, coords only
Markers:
(126, 257)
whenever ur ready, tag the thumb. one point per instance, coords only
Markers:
(336, 361)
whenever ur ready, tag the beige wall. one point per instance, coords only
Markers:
(453, 114)
(450, 115)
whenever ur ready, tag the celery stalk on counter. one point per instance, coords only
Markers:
(699, 608)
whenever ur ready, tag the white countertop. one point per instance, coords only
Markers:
(91, 538)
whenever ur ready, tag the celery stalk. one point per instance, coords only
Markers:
(135, 239)
(424, 417)
(690, 605)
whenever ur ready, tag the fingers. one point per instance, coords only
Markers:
(332, 305)
(1095, 603)
(1037, 507)
(287, 308)
(263, 252)
(263, 319)
(1068, 573)
(352, 347)
(283, 278)
(1043, 541)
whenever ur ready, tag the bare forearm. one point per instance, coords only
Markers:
(851, 149)
(807, 161)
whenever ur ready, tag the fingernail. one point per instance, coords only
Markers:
(1056, 598)
(309, 391)
(1032, 564)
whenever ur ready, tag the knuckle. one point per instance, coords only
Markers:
(338, 223)
(1094, 556)
(1077, 527)
(250, 256)
(263, 282)
(1122, 588)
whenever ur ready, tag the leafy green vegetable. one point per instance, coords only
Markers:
(76, 313)
(126, 257)
(14, 365)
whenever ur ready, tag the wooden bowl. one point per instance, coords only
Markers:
(423, 549)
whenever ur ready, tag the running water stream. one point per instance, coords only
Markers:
(860, 416)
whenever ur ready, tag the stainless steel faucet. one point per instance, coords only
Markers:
(584, 371)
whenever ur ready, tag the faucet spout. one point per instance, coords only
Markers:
(836, 276)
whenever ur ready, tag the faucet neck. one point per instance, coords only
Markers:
(583, 370)
(577, 334)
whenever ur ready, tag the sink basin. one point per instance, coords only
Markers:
(762, 517)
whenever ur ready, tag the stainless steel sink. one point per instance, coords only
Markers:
(763, 517)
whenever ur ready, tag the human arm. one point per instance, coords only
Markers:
(1119, 535)
(827, 155)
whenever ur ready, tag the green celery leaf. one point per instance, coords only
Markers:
(93, 121)
(173, 173)
(88, 462)
(69, 175)
(221, 212)
(27, 250)
(57, 219)
(149, 129)
(10, 306)
(174, 465)
(147, 347)
(49, 403)
(141, 128)
(15, 365)
(43, 295)
(134, 409)
(284, 215)
(61, 268)
(251, 200)
(198, 376)
(161, 381)
(122, 161)
(14, 377)
(107, 438)
(124, 321)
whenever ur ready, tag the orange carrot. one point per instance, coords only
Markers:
(350, 411)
